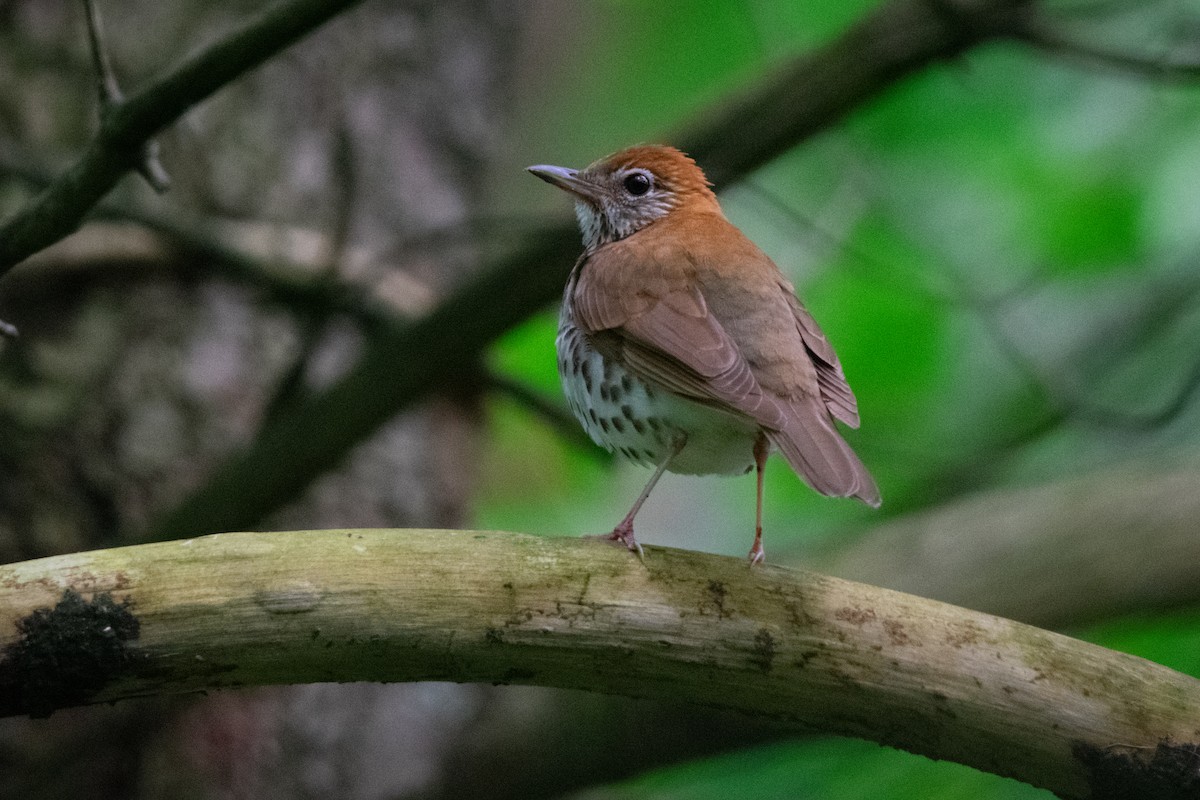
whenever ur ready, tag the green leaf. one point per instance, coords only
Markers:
(1090, 226)
(818, 769)
(1169, 638)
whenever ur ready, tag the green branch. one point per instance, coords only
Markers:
(127, 126)
(820, 653)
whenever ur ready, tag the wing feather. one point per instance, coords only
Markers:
(831, 380)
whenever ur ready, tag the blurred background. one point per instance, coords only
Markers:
(1003, 249)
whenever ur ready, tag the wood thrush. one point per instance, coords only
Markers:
(681, 345)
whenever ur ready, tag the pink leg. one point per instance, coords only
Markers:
(761, 449)
(623, 533)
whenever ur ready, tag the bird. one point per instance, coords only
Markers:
(682, 346)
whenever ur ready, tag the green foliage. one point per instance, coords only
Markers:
(1171, 638)
(1093, 227)
(523, 354)
(820, 769)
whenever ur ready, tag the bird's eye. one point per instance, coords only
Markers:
(637, 183)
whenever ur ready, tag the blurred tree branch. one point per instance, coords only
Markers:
(1043, 539)
(816, 90)
(110, 95)
(1053, 39)
(405, 605)
(128, 125)
(289, 267)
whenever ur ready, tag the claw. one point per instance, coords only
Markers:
(623, 534)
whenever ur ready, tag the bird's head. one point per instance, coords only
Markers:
(622, 193)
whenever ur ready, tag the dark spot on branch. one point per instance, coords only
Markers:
(764, 650)
(941, 705)
(1121, 771)
(855, 616)
(64, 655)
(895, 631)
(802, 661)
(517, 675)
(300, 598)
(493, 636)
(718, 592)
(962, 637)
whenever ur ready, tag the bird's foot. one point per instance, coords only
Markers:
(757, 554)
(623, 534)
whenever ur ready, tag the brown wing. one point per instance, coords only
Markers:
(677, 343)
(835, 389)
(665, 334)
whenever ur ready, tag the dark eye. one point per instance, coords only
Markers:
(637, 184)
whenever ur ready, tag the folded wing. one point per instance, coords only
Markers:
(667, 335)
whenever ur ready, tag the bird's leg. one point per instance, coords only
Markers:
(761, 449)
(623, 533)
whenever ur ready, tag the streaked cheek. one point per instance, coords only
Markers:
(589, 223)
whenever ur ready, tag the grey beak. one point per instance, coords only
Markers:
(567, 179)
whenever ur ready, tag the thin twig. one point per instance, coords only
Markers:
(877, 268)
(313, 324)
(118, 146)
(1065, 404)
(1053, 40)
(150, 166)
(106, 80)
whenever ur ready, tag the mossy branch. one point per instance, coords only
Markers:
(247, 609)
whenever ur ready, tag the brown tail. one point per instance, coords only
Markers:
(817, 452)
